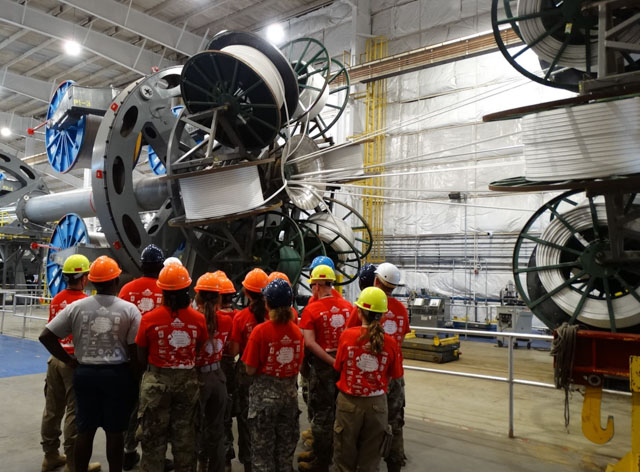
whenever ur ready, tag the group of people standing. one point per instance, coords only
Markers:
(148, 364)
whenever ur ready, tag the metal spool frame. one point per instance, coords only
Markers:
(142, 109)
(308, 57)
(68, 232)
(571, 22)
(69, 146)
(598, 262)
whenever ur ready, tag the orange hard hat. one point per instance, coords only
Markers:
(226, 286)
(209, 282)
(255, 280)
(220, 274)
(104, 269)
(279, 275)
(173, 277)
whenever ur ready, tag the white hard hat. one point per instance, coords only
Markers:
(171, 260)
(388, 274)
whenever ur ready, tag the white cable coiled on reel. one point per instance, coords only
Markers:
(222, 193)
(594, 311)
(574, 55)
(583, 142)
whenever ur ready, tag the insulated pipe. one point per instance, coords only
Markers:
(149, 192)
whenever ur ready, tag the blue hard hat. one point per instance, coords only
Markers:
(322, 260)
(152, 254)
(278, 293)
(366, 276)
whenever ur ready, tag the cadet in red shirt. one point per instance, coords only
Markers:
(59, 396)
(225, 307)
(367, 358)
(323, 321)
(213, 389)
(144, 293)
(274, 353)
(243, 323)
(169, 338)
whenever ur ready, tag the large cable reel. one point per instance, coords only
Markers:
(565, 37)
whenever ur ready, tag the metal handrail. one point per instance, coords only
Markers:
(29, 308)
(509, 378)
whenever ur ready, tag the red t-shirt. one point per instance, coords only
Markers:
(59, 303)
(243, 324)
(172, 341)
(229, 314)
(275, 349)
(362, 373)
(143, 293)
(327, 317)
(211, 350)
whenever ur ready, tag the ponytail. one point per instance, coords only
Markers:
(257, 305)
(375, 333)
(280, 315)
(176, 300)
(209, 302)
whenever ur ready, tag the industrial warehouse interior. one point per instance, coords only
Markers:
(469, 166)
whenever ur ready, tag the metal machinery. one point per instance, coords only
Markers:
(512, 316)
(576, 259)
(228, 130)
(429, 312)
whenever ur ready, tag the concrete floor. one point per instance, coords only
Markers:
(452, 424)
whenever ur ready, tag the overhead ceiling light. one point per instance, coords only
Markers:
(275, 33)
(5, 132)
(72, 48)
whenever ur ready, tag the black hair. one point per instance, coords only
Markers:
(256, 305)
(226, 299)
(209, 301)
(374, 333)
(176, 300)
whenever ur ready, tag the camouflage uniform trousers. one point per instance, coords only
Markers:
(59, 403)
(213, 402)
(241, 407)
(396, 403)
(358, 432)
(228, 367)
(274, 423)
(167, 413)
(322, 400)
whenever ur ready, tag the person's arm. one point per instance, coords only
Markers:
(52, 343)
(142, 354)
(234, 349)
(251, 370)
(314, 347)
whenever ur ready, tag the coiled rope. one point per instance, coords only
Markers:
(563, 348)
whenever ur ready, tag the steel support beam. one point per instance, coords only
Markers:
(28, 86)
(125, 54)
(173, 37)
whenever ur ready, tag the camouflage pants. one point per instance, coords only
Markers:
(396, 403)
(228, 367)
(59, 403)
(358, 432)
(167, 412)
(213, 402)
(274, 423)
(241, 406)
(322, 400)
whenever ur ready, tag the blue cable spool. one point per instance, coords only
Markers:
(63, 145)
(69, 232)
(155, 163)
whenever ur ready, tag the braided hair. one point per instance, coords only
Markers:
(209, 302)
(176, 300)
(374, 333)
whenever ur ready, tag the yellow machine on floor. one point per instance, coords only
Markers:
(435, 349)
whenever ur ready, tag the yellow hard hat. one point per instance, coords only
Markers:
(372, 299)
(321, 273)
(76, 264)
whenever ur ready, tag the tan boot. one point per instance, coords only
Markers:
(306, 456)
(93, 467)
(52, 461)
(307, 434)
(308, 443)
